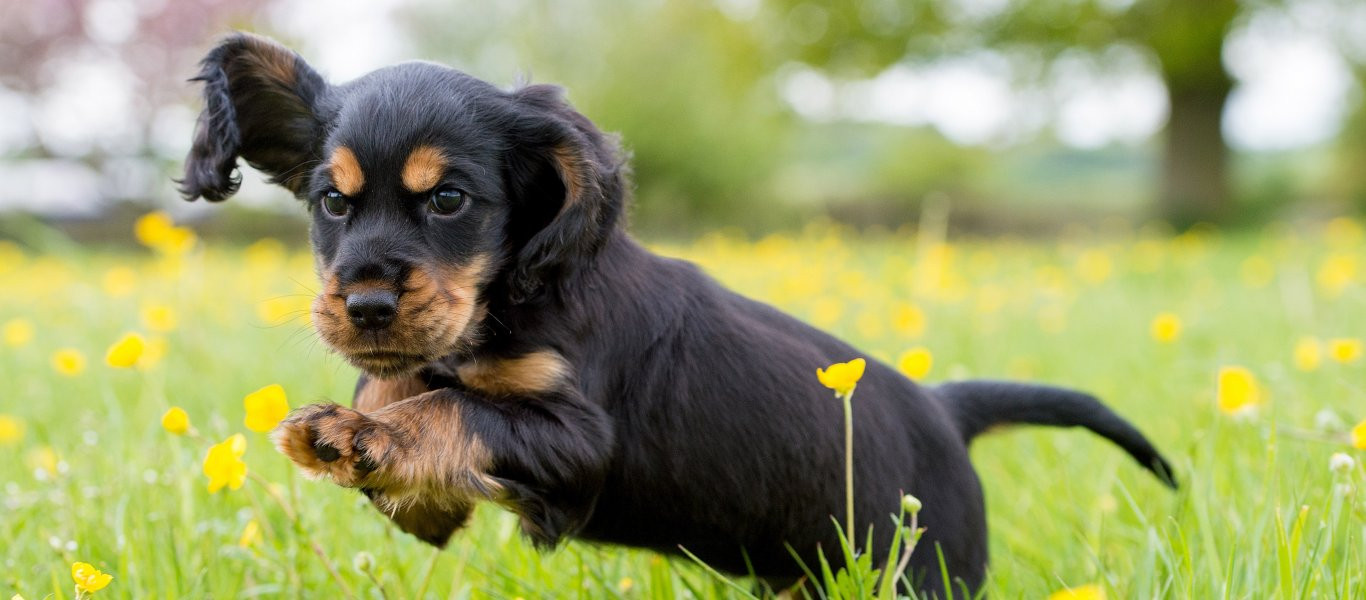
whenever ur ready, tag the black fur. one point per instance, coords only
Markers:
(274, 123)
(693, 418)
(980, 405)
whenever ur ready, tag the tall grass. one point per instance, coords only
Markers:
(91, 476)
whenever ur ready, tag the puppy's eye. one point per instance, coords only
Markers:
(446, 201)
(335, 203)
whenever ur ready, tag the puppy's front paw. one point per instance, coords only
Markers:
(337, 442)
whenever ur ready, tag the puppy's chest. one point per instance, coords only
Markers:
(379, 393)
(527, 375)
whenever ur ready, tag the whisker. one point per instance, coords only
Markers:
(303, 285)
(298, 170)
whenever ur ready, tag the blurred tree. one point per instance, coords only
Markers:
(688, 88)
(1349, 176)
(62, 60)
(1184, 38)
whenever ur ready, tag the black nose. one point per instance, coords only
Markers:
(372, 309)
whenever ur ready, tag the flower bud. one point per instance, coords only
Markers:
(910, 504)
(363, 562)
(1341, 463)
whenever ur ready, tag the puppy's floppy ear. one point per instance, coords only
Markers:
(568, 184)
(260, 103)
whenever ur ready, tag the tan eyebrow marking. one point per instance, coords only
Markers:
(346, 173)
(423, 169)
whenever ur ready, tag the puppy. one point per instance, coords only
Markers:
(519, 346)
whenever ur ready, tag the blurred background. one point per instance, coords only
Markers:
(1022, 115)
(963, 188)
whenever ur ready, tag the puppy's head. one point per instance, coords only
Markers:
(432, 194)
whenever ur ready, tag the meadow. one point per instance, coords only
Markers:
(1239, 354)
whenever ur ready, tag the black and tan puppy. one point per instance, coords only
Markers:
(519, 346)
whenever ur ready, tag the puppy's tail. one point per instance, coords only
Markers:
(980, 405)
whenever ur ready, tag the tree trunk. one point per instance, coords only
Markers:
(1188, 38)
(1195, 169)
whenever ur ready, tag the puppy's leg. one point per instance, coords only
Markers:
(544, 457)
(428, 521)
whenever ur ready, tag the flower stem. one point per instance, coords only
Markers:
(427, 577)
(910, 537)
(299, 527)
(383, 593)
(849, 466)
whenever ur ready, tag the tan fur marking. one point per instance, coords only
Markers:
(442, 451)
(423, 169)
(271, 60)
(535, 373)
(436, 316)
(379, 393)
(571, 168)
(346, 172)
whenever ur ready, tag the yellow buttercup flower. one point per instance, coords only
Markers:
(11, 430)
(1238, 390)
(159, 317)
(1094, 266)
(265, 253)
(908, 319)
(44, 459)
(68, 361)
(223, 464)
(842, 377)
(1336, 273)
(11, 256)
(1359, 435)
(17, 332)
(176, 420)
(1345, 350)
(151, 228)
(1166, 327)
(1307, 354)
(266, 407)
(125, 352)
(1083, 592)
(916, 362)
(1343, 232)
(89, 579)
(156, 230)
(250, 534)
(178, 241)
(1257, 272)
(119, 282)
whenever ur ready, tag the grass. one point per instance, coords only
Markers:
(91, 476)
